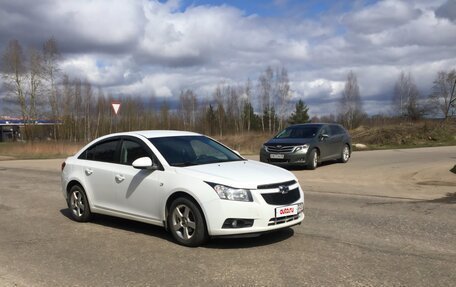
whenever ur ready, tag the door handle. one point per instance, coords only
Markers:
(88, 171)
(119, 178)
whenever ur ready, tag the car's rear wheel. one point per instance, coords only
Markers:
(312, 161)
(345, 155)
(186, 222)
(78, 204)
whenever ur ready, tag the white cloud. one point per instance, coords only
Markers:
(380, 16)
(144, 47)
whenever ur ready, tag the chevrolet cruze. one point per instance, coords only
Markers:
(190, 184)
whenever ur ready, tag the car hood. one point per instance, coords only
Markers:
(288, 141)
(240, 174)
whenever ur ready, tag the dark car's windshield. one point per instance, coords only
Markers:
(192, 150)
(298, 132)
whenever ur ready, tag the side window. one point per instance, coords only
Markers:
(130, 151)
(105, 152)
(335, 130)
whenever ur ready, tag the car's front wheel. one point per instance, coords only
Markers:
(345, 155)
(186, 223)
(78, 204)
(312, 160)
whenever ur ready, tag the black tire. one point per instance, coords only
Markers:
(345, 154)
(186, 223)
(78, 204)
(312, 159)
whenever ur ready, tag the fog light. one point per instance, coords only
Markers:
(237, 223)
(300, 207)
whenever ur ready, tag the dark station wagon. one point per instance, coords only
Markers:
(307, 145)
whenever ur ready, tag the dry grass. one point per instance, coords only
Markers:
(406, 135)
(247, 143)
(38, 150)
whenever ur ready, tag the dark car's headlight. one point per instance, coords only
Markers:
(303, 148)
(231, 193)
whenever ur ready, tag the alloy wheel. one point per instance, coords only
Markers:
(346, 153)
(183, 222)
(77, 203)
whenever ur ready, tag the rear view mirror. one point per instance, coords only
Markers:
(144, 163)
(324, 136)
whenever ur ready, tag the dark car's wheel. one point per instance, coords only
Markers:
(186, 223)
(78, 204)
(312, 161)
(345, 155)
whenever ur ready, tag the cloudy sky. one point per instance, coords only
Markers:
(148, 47)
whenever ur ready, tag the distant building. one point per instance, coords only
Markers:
(11, 128)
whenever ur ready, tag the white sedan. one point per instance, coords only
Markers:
(192, 185)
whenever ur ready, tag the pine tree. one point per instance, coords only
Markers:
(300, 115)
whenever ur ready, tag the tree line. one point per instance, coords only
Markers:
(36, 86)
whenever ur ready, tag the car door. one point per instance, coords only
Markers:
(337, 138)
(140, 190)
(97, 164)
(324, 138)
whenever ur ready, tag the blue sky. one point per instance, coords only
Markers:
(141, 48)
(281, 8)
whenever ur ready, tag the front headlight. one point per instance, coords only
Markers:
(303, 148)
(230, 193)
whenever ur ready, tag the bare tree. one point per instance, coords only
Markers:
(220, 111)
(351, 112)
(442, 93)
(14, 75)
(283, 93)
(86, 98)
(188, 107)
(247, 101)
(51, 57)
(265, 92)
(406, 98)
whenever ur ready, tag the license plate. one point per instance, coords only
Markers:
(277, 155)
(286, 210)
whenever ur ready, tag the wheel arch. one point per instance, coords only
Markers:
(178, 194)
(71, 184)
(317, 148)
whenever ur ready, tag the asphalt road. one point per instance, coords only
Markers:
(383, 219)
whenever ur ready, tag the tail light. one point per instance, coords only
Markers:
(63, 165)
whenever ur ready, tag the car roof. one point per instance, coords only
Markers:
(308, 125)
(157, 133)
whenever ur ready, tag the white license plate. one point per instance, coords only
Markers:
(286, 210)
(277, 155)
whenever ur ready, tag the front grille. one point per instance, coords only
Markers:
(276, 185)
(283, 219)
(277, 198)
(281, 149)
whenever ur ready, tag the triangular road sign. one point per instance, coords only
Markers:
(115, 107)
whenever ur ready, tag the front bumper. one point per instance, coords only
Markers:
(291, 158)
(263, 214)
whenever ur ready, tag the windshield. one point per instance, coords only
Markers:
(298, 132)
(192, 150)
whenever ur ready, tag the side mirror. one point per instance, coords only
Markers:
(324, 136)
(144, 163)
